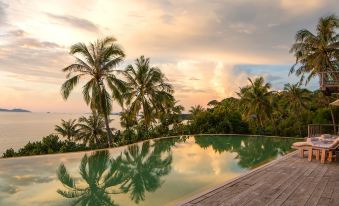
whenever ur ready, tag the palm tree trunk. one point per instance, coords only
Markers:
(274, 126)
(146, 117)
(299, 123)
(333, 120)
(109, 131)
(105, 113)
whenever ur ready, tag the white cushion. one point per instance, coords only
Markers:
(325, 136)
(301, 144)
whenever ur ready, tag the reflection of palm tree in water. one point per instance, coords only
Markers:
(258, 150)
(254, 151)
(101, 175)
(251, 151)
(166, 144)
(143, 170)
(219, 144)
(137, 171)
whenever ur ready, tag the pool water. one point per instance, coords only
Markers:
(156, 172)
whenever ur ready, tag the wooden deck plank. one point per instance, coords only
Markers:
(289, 181)
(304, 191)
(271, 187)
(315, 196)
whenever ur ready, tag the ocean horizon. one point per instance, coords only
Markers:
(18, 128)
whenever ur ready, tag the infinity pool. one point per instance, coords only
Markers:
(157, 172)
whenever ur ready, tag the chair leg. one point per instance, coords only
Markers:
(330, 156)
(301, 152)
(317, 154)
(310, 154)
(323, 156)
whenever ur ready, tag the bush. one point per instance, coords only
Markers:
(48, 145)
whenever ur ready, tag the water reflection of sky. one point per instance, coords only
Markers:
(197, 163)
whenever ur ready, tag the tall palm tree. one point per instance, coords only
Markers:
(148, 90)
(143, 169)
(96, 63)
(256, 100)
(68, 129)
(92, 130)
(324, 101)
(317, 52)
(100, 176)
(196, 110)
(297, 99)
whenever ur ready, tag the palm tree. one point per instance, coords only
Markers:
(127, 119)
(96, 62)
(143, 169)
(92, 130)
(196, 110)
(297, 99)
(100, 175)
(256, 100)
(317, 52)
(170, 116)
(324, 101)
(68, 129)
(148, 90)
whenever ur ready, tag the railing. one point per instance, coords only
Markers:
(329, 79)
(315, 130)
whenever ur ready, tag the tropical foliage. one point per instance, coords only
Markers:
(317, 52)
(150, 110)
(137, 171)
(68, 129)
(48, 145)
(143, 169)
(100, 174)
(92, 130)
(96, 63)
(148, 91)
(256, 101)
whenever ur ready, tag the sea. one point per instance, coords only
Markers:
(18, 128)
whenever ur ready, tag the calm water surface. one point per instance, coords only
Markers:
(16, 129)
(159, 172)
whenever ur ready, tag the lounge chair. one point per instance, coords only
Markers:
(326, 149)
(323, 146)
(302, 147)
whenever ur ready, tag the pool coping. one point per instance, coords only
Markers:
(157, 138)
(234, 180)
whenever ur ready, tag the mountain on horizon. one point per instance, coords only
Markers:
(14, 110)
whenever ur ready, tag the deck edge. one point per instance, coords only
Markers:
(233, 180)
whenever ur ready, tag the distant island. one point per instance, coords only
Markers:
(14, 110)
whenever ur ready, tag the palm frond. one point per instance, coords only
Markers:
(69, 85)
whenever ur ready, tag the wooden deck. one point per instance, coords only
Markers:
(290, 180)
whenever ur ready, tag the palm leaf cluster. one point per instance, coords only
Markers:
(68, 129)
(96, 63)
(196, 110)
(141, 89)
(101, 176)
(148, 90)
(90, 130)
(143, 169)
(256, 101)
(136, 171)
(317, 52)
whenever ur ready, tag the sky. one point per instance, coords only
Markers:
(207, 49)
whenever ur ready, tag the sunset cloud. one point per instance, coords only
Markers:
(75, 22)
(207, 49)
